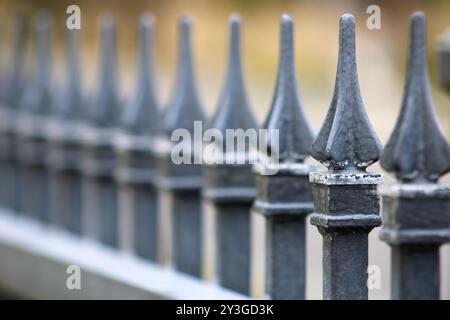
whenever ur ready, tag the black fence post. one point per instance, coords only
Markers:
(100, 194)
(65, 144)
(135, 150)
(182, 180)
(8, 118)
(230, 185)
(416, 209)
(346, 203)
(35, 107)
(284, 193)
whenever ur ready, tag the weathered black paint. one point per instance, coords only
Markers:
(137, 160)
(183, 182)
(345, 197)
(416, 209)
(285, 197)
(35, 107)
(231, 187)
(99, 163)
(65, 144)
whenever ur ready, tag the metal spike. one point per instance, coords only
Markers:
(185, 106)
(183, 183)
(44, 31)
(417, 150)
(37, 97)
(16, 78)
(233, 110)
(346, 139)
(37, 102)
(286, 113)
(231, 187)
(285, 212)
(142, 115)
(71, 99)
(107, 109)
(346, 205)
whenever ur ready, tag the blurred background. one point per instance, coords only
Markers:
(381, 58)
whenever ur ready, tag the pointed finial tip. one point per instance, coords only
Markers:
(147, 19)
(286, 42)
(346, 36)
(107, 21)
(428, 158)
(235, 42)
(185, 23)
(347, 19)
(417, 39)
(287, 26)
(347, 24)
(346, 139)
(185, 20)
(286, 19)
(235, 25)
(235, 19)
(418, 24)
(418, 16)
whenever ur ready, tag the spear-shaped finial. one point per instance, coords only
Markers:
(142, 115)
(286, 113)
(71, 100)
(44, 34)
(346, 139)
(230, 185)
(107, 109)
(37, 97)
(233, 110)
(290, 149)
(185, 106)
(416, 209)
(417, 150)
(16, 78)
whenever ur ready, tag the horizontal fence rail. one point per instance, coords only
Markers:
(113, 187)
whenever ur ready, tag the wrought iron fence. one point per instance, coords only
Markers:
(102, 169)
